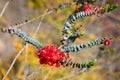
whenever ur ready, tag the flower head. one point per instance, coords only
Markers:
(50, 55)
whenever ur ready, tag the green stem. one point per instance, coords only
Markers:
(79, 47)
(22, 35)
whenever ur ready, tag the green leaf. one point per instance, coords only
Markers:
(114, 6)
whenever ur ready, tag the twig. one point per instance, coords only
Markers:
(11, 66)
(5, 7)
(26, 55)
(38, 17)
(40, 23)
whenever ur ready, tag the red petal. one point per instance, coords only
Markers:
(85, 3)
(55, 58)
(50, 63)
(57, 65)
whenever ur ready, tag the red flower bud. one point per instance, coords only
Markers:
(106, 42)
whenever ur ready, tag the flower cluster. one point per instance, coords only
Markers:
(50, 55)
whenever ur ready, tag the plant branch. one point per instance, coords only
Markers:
(22, 35)
(79, 47)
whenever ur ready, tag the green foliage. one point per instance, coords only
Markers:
(110, 7)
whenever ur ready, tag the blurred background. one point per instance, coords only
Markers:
(27, 66)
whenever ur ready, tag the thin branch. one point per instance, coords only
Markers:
(26, 56)
(40, 23)
(11, 66)
(38, 17)
(4, 8)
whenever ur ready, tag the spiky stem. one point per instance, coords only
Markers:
(22, 35)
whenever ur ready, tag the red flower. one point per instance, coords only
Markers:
(50, 55)
(88, 8)
(106, 42)
(85, 3)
